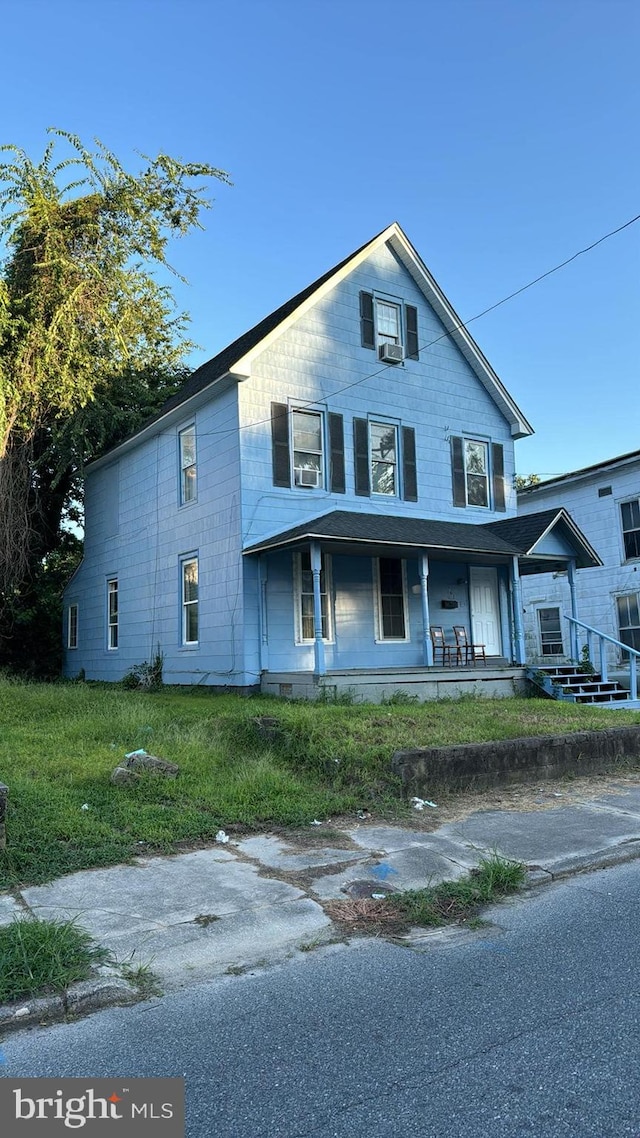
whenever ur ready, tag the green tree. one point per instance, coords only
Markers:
(91, 343)
(526, 481)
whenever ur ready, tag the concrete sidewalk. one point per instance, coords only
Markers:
(249, 902)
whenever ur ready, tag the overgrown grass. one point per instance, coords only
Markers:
(434, 906)
(60, 742)
(44, 956)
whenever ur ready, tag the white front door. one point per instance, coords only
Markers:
(485, 610)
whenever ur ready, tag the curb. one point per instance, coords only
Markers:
(601, 859)
(106, 989)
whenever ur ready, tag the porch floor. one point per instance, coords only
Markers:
(494, 679)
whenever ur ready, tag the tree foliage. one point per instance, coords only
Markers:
(91, 343)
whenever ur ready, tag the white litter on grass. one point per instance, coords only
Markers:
(131, 754)
(222, 838)
(85, 806)
(315, 822)
(420, 803)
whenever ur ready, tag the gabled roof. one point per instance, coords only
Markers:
(236, 359)
(528, 531)
(583, 472)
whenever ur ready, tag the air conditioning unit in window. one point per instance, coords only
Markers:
(305, 477)
(391, 353)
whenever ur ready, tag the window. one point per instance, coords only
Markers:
(478, 473)
(383, 443)
(308, 463)
(188, 469)
(629, 619)
(550, 632)
(112, 613)
(385, 460)
(303, 578)
(72, 627)
(391, 599)
(384, 320)
(631, 528)
(190, 600)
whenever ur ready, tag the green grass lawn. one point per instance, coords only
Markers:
(60, 742)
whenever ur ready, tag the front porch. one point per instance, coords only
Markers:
(494, 680)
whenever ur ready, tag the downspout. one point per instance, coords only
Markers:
(318, 647)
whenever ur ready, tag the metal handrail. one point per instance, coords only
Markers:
(632, 652)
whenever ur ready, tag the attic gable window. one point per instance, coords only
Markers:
(386, 321)
(188, 468)
(630, 512)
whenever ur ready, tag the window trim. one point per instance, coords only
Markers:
(113, 625)
(72, 625)
(327, 572)
(184, 482)
(622, 597)
(635, 530)
(379, 636)
(541, 642)
(185, 605)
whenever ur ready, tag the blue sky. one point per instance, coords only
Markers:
(501, 134)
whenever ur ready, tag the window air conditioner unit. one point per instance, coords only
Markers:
(391, 353)
(307, 477)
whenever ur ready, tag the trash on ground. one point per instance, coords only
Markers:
(315, 822)
(85, 806)
(417, 803)
(222, 838)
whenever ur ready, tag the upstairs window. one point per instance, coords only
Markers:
(630, 512)
(188, 468)
(550, 632)
(477, 469)
(308, 459)
(383, 442)
(385, 460)
(72, 627)
(112, 613)
(384, 321)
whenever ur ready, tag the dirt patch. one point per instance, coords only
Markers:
(366, 915)
(326, 835)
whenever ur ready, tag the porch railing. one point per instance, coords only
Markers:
(632, 653)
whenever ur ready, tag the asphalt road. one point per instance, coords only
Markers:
(529, 1029)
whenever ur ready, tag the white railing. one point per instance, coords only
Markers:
(601, 637)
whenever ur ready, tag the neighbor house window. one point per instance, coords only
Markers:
(112, 613)
(383, 443)
(308, 460)
(189, 573)
(72, 627)
(630, 512)
(188, 468)
(303, 591)
(391, 599)
(550, 632)
(629, 619)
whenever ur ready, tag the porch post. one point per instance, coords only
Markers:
(573, 634)
(518, 627)
(426, 622)
(316, 569)
(262, 603)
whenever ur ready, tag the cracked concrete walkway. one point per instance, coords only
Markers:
(236, 906)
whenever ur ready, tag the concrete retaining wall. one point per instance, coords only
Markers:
(515, 760)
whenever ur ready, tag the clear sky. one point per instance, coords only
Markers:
(503, 135)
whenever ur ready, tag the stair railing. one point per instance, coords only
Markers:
(632, 653)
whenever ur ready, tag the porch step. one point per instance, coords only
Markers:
(577, 687)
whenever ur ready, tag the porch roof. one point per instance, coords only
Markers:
(498, 541)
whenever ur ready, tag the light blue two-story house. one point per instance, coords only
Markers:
(317, 498)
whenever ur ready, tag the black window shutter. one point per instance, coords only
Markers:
(336, 456)
(409, 471)
(367, 331)
(457, 471)
(412, 332)
(497, 467)
(280, 444)
(361, 456)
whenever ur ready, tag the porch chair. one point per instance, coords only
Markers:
(439, 645)
(471, 651)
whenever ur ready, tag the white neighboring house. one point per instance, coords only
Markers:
(604, 501)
